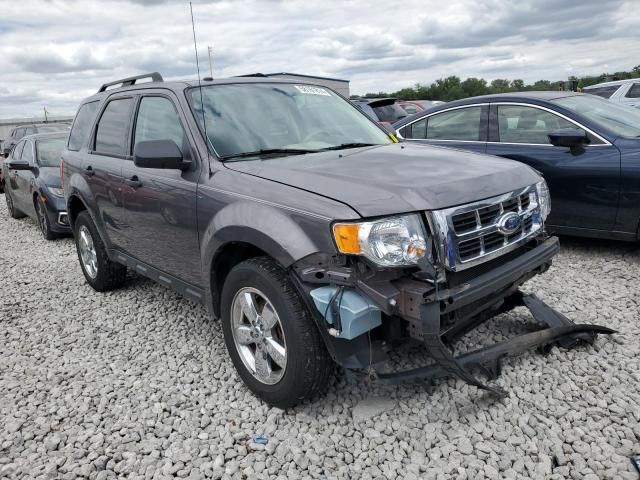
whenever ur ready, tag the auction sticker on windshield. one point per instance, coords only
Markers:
(312, 90)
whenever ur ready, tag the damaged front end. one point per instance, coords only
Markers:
(478, 258)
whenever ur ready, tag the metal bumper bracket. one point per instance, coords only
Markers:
(560, 330)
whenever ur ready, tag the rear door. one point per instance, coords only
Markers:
(462, 127)
(103, 167)
(161, 203)
(584, 184)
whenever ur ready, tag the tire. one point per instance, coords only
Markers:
(13, 211)
(307, 368)
(100, 272)
(43, 220)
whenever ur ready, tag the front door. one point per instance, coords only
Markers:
(160, 204)
(15, 177)
(25, 180)
(584, 184)
(460, 127)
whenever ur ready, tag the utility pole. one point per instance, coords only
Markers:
(210, 50)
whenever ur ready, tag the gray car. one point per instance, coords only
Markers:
(303, 226)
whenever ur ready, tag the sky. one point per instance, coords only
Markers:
(54, 53)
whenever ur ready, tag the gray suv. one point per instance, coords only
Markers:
(307, 229)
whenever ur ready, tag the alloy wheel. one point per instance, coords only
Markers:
(9, 203)
(258, 335)
(42, 219)
(88, 253)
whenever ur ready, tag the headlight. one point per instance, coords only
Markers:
(58, 192)
(544, 199)
(388, 242)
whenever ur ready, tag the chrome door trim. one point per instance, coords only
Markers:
(521, 104)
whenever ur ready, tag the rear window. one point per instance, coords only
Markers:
(82, 125)
(111, 133)
(604, 92)
(390, 113)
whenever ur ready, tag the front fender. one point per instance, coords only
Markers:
(285, 235)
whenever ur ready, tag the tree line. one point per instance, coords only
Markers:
(453, 88)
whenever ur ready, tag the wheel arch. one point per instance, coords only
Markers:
(75, 205)
(244, 230)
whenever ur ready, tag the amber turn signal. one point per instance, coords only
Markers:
(346, 235)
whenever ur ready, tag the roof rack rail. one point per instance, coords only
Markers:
(127, 82)
(253, 75)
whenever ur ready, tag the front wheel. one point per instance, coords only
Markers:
(43, 220)
(271, 338)
(101, 273)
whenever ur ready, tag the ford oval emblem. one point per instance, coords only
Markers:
(509, 223)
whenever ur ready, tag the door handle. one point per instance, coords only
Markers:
(89, 171)
(133, 182)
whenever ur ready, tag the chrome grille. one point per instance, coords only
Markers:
(474, 233)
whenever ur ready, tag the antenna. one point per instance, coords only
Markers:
(204, 121)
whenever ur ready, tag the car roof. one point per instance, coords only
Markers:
(38, 136)
(43, 124)
(544, 96)
(613, 83)
(536, 96)
(183, 84)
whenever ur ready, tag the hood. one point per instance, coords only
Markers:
(50, 176)
(395, 178)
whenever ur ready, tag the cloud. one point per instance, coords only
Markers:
(56, 52)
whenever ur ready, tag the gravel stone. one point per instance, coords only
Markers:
(137, 384)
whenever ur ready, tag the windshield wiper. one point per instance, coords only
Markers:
(344, 146)
(269, 151)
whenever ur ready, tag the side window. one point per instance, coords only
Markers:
(17, 151)
(158, 120)
(27, 153)
(111, 133)
(522, 124)
(459, 124)
(419, 129)
(19, 133)
(82, 125)
(634, 91)
(29, 131)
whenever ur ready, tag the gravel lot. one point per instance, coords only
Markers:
(137, 384)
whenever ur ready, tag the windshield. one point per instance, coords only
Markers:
(245, 118)
(49, 151)
(622, 120)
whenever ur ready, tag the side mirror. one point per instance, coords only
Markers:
(568, 137)
(19, 166)
(159, 154)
